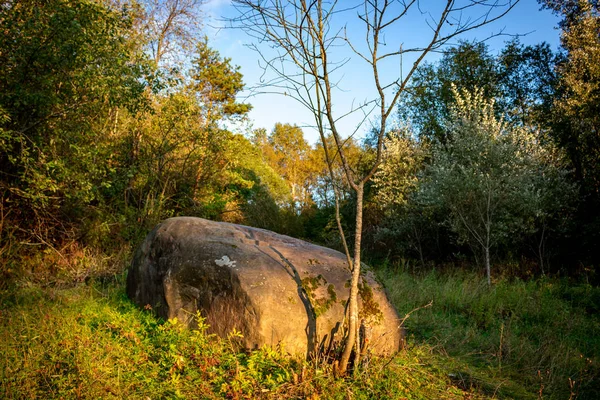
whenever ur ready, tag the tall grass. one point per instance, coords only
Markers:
(515, 340)
(542, 336)
(91, 342)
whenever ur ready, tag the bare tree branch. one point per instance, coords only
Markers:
(298, 41)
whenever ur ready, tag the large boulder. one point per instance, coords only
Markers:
(272, 288)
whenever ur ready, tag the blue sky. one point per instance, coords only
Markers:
(355, 80)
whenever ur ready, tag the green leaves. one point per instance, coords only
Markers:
(520, 79)
(66, 66)
(487, 177)
(216, 83)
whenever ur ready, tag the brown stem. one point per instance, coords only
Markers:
(353, 309)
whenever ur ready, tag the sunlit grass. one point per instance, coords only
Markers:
(90, 341)
(516, 340)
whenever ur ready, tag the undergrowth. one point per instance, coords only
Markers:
(535, 339)
(90, 342)
(517, 340)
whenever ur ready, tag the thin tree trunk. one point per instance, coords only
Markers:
(541, 248)
(302, 30)
(419, 246)
(487, 265)
(488, 226)
(353, 299)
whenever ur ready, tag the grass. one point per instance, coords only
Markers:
(518, 340)
(90, 341)
(535, 339)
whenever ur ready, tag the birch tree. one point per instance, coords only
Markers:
(298, 42)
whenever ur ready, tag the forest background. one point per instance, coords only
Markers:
(117, 116)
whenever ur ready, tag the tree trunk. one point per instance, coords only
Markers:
(488, 229)
(541, 249)
(418, 245)
(353, 299)
(487, 265)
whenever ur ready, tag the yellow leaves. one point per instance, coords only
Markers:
(179, 363)
(474, 108)
(580, 74)
(131, 335)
